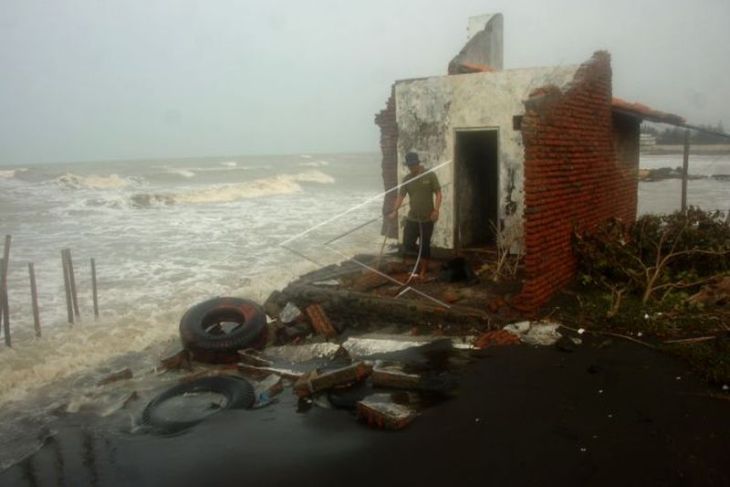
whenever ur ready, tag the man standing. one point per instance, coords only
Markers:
(420, 187)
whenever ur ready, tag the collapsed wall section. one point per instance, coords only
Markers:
(574, 178)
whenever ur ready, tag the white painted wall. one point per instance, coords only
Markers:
(430, 110)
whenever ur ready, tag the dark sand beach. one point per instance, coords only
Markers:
(609, 413)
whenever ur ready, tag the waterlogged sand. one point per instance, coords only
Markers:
(619, 414)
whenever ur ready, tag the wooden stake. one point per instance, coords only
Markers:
(34, 300)
(93, 288)
(67, 286)
(685, 170)
(4, 304)
(72, 279)
(5, 312)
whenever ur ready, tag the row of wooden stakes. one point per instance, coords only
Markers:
(69, 282)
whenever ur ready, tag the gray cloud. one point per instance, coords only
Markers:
(95, 80)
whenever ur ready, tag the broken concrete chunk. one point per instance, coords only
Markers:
(290, 314)
(542, 334)
(518, 328)
(314, 381)
(376, 343)
(304, 353)
(535, 333)
(116, 376)
(380, 411)
(320, 322)
(394, 377)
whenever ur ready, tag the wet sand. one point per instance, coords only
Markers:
(619, 414)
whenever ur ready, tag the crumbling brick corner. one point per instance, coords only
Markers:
(573, 177)
(389, 148)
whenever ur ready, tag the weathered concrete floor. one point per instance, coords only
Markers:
(614, 415)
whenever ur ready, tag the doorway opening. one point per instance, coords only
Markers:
(476, 190)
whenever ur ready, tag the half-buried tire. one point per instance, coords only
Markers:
(189, 403)
(216, 329)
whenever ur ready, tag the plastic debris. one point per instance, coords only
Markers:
(380, 411)
(290, 314)
(266, 390)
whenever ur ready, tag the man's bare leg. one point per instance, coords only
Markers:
(424, 269)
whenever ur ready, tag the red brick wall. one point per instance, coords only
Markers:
(573, 177)
(389, 147)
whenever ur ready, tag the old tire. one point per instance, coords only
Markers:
(238, 394)
(200, 333)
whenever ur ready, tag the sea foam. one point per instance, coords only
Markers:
(75, 181)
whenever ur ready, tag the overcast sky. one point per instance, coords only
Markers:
(128, 79)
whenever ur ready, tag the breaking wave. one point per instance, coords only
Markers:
(226, 193)
(10, 173)
(186, 173)
(112, 181)
(314, 163)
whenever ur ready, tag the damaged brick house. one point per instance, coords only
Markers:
(536, 153)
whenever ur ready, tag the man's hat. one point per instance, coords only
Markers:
(412, 159)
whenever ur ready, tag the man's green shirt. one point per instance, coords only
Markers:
(420, 195)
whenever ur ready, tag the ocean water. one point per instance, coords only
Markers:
(167, 234)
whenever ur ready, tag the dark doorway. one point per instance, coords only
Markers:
(476, 187)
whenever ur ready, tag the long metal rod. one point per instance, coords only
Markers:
(34, 300)
(372, 220)
(366, 202)
(386, 276)
(296, 252)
